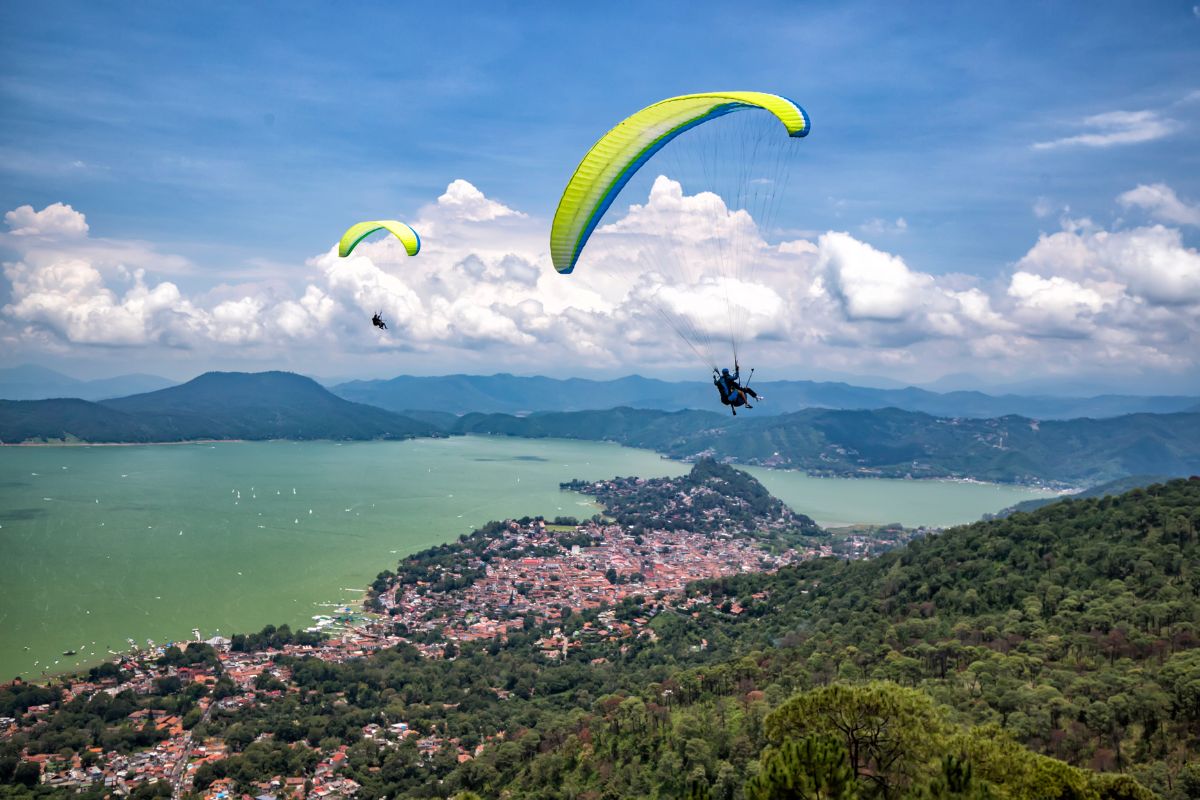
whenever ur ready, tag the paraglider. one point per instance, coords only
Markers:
(735, 150)
(405, 233)
(732, 393)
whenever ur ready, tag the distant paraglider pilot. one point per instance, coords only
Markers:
(378, 322)
(733, 394)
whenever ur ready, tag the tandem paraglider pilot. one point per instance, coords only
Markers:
(733, 394)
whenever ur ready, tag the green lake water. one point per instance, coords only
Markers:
(103, 544)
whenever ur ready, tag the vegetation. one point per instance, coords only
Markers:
(717, 497)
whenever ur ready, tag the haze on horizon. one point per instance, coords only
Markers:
(991, 196)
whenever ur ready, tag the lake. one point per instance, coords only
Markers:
(105, 544)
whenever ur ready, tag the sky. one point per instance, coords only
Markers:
(993, 195)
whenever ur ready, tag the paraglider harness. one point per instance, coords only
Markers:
(732, 393)
(378, 322)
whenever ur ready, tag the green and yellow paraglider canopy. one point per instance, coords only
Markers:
(619, 154)
(407, 236)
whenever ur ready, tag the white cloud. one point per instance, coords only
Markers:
(1054, 306)
(71, 299)
(56, 219)
(1115, 128)
(482, 296)
(694, 219)
(466, 202)
(869, 283)
(1162, 203)
(1150, 263)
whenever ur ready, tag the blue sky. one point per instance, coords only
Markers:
(240, 139)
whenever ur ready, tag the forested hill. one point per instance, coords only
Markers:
(216, 405)
(1074, 631)
(711, 497)
(1075, 627)
(889, 442)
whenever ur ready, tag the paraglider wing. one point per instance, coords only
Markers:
(407, 236)
(619, 154)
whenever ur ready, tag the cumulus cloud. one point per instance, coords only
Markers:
(1150, 263)
(698, 218)
(467, 202)
(1054, 306)
(1116, 128)
(482, 295)
(56, 219)
(1162, 203)
(869, 283)
(71, 298)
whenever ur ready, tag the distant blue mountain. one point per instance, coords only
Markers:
(31, 382)
(511, 394)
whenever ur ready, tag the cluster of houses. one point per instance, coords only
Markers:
(533, 574)
(176, 758)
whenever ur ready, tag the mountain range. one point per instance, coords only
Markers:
(512, 394)
(887, 442)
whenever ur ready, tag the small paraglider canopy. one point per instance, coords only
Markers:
(407, 236)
